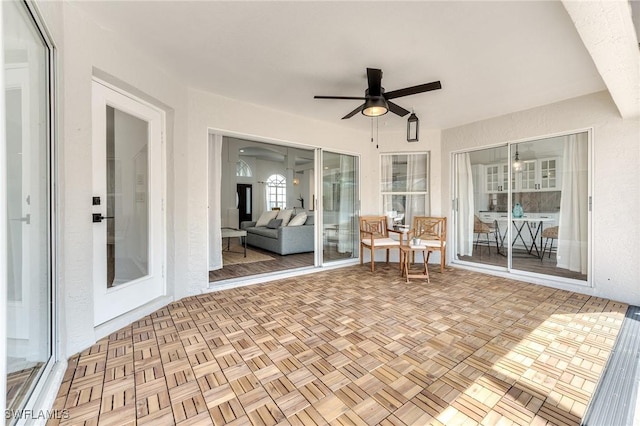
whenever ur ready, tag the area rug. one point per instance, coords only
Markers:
(236, 256)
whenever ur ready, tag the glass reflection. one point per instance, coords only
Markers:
(28, 312)
(339, 201)
(127, 195)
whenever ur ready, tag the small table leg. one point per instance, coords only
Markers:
(244, 243)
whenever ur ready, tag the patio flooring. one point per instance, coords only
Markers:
(348, 346)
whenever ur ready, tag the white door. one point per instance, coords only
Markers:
(128, 206)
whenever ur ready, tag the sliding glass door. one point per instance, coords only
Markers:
(525, 206)
(26, 185)
(482, 185)
(339, 206)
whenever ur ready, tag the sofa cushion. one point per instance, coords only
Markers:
(274, 223)
(264, 231)
(285, 216)
(298, 219)
(266, 217)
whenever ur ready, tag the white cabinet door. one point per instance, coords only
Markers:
(491, 178)
(528, 176)
(496, 178)
(549, 174)
(538, 175)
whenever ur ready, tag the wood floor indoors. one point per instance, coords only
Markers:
(347, 346)
(277, 263)
(522, 261)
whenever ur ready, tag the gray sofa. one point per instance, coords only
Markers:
(283, 240)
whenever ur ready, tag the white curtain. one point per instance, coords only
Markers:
(215, 213)
(573, 223)
(416, 174)
(346, 208)
(464, 192)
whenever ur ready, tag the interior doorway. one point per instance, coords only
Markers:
(245, 202)
(249, 179)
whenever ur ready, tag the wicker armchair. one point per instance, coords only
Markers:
(480, 228)
(374, 234)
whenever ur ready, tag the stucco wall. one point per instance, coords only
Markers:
(616, 187)
(86, 49)
(210, 112)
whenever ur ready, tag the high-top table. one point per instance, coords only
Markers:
(229, 233)
(533, 225)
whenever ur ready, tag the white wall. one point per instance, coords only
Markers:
(616, 187)
(210, 112)
(86, 49)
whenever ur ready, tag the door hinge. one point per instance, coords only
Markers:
(590, 202)
(163, 270)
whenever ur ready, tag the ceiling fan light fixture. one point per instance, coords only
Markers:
(375, 106)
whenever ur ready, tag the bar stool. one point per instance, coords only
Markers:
(550, 233)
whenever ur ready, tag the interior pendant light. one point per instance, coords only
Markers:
(412, 128)
(375, 106)
(517, 164)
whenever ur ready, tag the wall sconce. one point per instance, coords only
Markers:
(296, 181)
(412, 128)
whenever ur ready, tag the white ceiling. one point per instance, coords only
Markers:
(491, 57)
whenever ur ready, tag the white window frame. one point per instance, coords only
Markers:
(243, 169)
(425, 193)
(276, 186)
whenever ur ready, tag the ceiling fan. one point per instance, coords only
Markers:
(376, 100)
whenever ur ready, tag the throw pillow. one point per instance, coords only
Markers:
(285, 215)
(274, 223)
(298, 219)
(266, 217)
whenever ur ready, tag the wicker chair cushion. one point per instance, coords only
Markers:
(479, 227)
(551, 232)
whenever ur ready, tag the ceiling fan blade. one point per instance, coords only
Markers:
(397, 109)
(413, 90)
(354, 112)
(360, 98)
(374, 77)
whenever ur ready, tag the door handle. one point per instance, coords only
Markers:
(97, 217)
(26, 219)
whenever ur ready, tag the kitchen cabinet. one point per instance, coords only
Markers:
(538, 175)
(496, 178)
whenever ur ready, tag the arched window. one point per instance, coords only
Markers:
(243, 169)
(276, 191)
